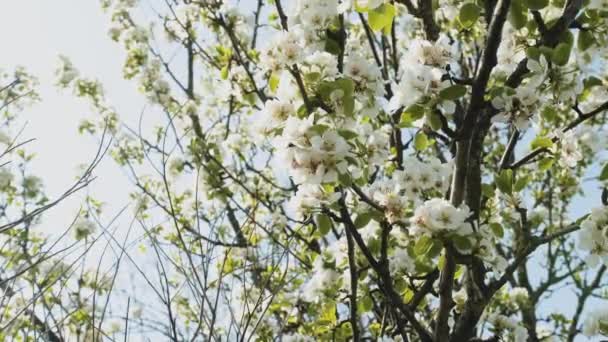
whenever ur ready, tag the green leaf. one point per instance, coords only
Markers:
(592, 81)
(332, 46)
(604, 173)
(549, 113)
(487, 190)
(441, 262)
(435, 249)
(603, 328)
(347, 134)
(518, 16)
(468, 15)
(359, 8)
(453, 92)
(381, 17)
(497, 229)
(462, 243)
(459, 271)
(535, 5)
(312, 77)
(542, 142)
(362, 220)
(421, 141)
(328, 315)
(224, 72)
(319, 128)
(561, 54)
(323, 223)
(273, 82)
(345, 179)
(504, 181)
(433, 120)
(411, 114)
(533, 52)
(585, 40)
(545, 164)
(423, 245)
(348, 100)
(521, 183)
(366, 304)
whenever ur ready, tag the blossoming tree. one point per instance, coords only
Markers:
(363, 169)
(42, 283)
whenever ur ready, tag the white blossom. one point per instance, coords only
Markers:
(593, 236)
(83, 228)
(596, 323)
(438, 215)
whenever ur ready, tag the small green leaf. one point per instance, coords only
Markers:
(545, 164)
(542, 142)
(319, 128)
(504, 181)
(535, 5)
(592, 81)
(561, 54)
(421, 141)
(459, 271)
(604, 173)
(453, 92)
(323, 223)
(487, 190)
(224, 72)
(441, 262)
(328, 315)
(549, 113)
(497, 229)
(462, 243)
(423, 245)
(273, 82)
(533, 52)
(332, 46)
(347, 134)
(359, 8)
(411, 114)
(521, 183)
(345, 179)
(381, 17)
(366, 304)
(433, 120)
(312, 77)
(468, 15)
(362, 220)
(435, 249)
(585, 40)
(348, 88)
(603, 328)
(518, 16)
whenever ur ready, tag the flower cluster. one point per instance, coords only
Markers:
(570, 151)
(518, 105)
(6, 177)
(310, 197)
(596, 323)
(437, 216)
(416, 182)
(422, 78)
(316, 155)
(65, 72)
(324, 277)
(593, 236)
(83, 228)
(508, 326)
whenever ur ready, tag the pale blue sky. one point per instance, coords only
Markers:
(35, 32)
